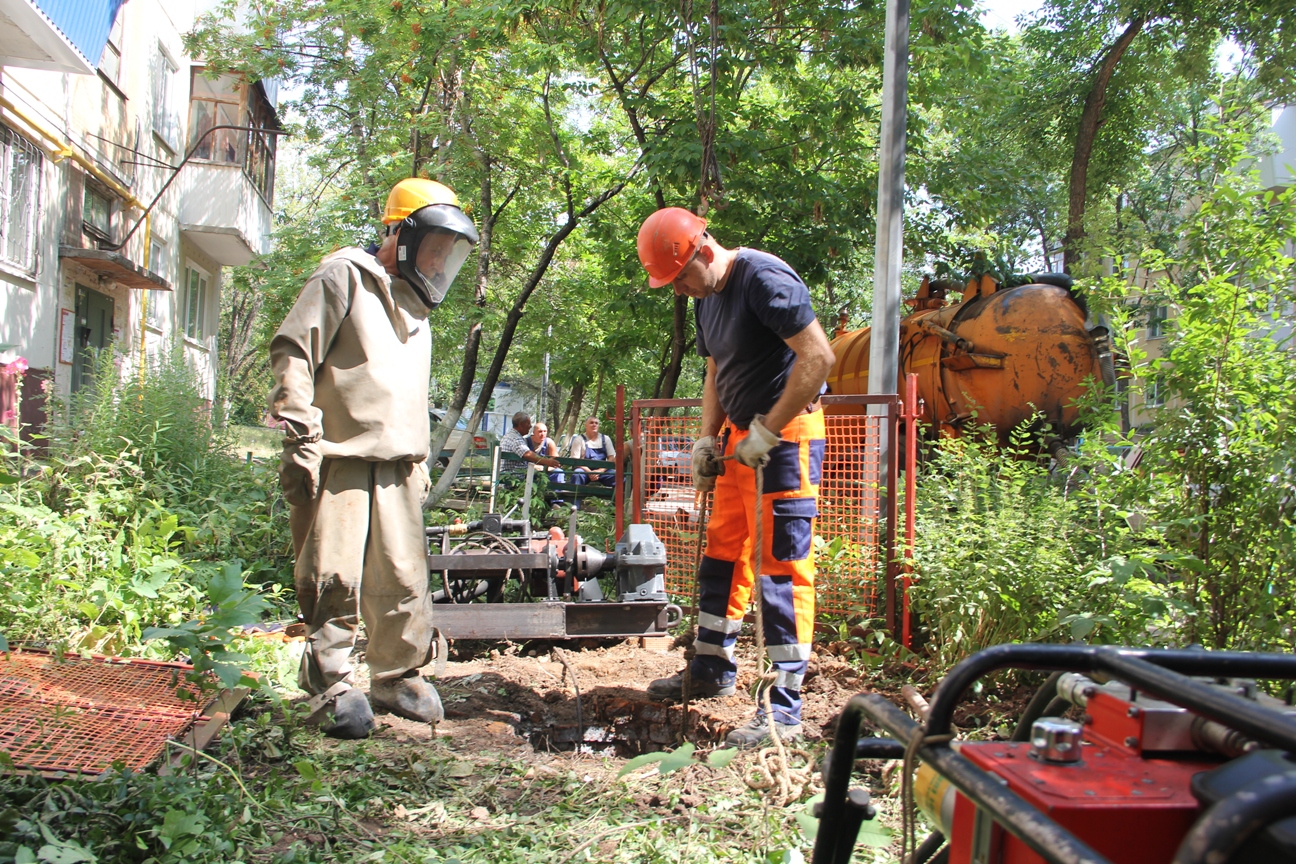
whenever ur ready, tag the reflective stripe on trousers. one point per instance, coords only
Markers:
(791, 487)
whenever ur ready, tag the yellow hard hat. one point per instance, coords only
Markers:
(415, 194)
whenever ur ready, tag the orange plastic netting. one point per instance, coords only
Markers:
(78, 715)
(849, 540)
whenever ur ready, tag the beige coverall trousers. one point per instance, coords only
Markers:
(360, 553)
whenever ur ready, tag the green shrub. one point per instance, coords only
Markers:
(138, 506)
(1007, 552)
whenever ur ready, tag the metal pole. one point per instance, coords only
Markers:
(884, 346)
(544, 382)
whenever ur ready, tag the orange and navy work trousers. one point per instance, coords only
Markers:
(789, 507)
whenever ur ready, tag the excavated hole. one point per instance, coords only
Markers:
(621, 727)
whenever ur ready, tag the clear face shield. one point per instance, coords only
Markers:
(431, 261)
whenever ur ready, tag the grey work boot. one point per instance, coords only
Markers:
(672, 688)
(413, 698)
(349, 717)
(756, 734)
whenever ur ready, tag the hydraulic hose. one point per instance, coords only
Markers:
(1042, 704)
(1221, 831)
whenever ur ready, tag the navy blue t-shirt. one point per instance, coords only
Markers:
(743, 328)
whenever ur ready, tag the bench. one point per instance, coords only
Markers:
(575, 490)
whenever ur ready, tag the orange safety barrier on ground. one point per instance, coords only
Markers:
(81, 716)
(853, 539)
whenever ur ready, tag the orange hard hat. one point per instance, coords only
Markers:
(668, 240)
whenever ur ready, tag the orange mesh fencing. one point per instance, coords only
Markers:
(850, 537)
(83, 716)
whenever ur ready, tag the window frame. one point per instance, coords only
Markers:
(113, 48)
(1158, 315)
(13, 144)
(153, 311)
(163, 115)
(99, 232)
(193, 322)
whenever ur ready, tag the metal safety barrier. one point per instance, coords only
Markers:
(855, 533)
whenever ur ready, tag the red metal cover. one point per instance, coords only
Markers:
(1130, 809)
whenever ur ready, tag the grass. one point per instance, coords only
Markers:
(260, 441)
(276, 792)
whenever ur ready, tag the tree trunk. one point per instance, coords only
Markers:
(572, 411)
(462, 390)
(598, 393)
(510, 329)
(1091, 121)
(679, 345)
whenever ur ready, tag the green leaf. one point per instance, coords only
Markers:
(227, 582)
(807, 821)
(873, 833)
(639, 762)
(680, 758)
(306, 769)
(8, 479)
(721, 758)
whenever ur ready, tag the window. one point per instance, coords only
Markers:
(164, 120)
(20, 167)
(228, 100)
(1156, 321)
(110, 59)
(96, 212)
(216, 102)
(157, 297)
(260, 165)
(195, 301)
(1156, 392)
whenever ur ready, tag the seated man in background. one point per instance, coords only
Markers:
(515, 441)
(597, 446)
(541, 444)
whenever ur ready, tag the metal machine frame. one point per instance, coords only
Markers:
(1162, 674)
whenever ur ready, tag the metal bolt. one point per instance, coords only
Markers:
(1147, 780)
(1086, 719)
(1131, 741)
(1134, 711)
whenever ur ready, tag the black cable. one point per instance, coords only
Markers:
(1037, 707)
(1220, 832)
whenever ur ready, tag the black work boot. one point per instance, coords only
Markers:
(672, 688)
(756, 734)
(413, 698)
(349, 717)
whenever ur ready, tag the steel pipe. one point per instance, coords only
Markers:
(1085, 658)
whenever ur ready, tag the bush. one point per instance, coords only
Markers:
(137, 508)
(1008, 552)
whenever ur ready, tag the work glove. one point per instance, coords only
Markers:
(752, 450)
(299, 470)
(705, 464)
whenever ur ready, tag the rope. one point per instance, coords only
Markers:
(772, 768)
(690, 647)
(909, 821)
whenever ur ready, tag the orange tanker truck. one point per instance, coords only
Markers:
(1001, 355)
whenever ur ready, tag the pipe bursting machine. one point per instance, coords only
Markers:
(1175, 756)
(492, 579)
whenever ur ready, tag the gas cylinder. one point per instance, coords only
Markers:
(997, 358)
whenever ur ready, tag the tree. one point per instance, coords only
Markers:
(1086, 47)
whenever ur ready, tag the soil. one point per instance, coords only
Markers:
(522, 696)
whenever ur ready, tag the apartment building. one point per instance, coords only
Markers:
(1277, 171)
(121, 198)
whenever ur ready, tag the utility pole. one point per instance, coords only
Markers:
(884, 344)
(544, 382)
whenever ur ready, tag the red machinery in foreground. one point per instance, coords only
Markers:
(1176, 757)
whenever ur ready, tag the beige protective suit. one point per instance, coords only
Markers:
(351, 364)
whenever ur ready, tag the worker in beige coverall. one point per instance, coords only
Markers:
(351, 364)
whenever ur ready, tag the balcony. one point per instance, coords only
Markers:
(222, 213)
(60, 35)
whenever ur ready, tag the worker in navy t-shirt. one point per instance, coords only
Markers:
(767, 361)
